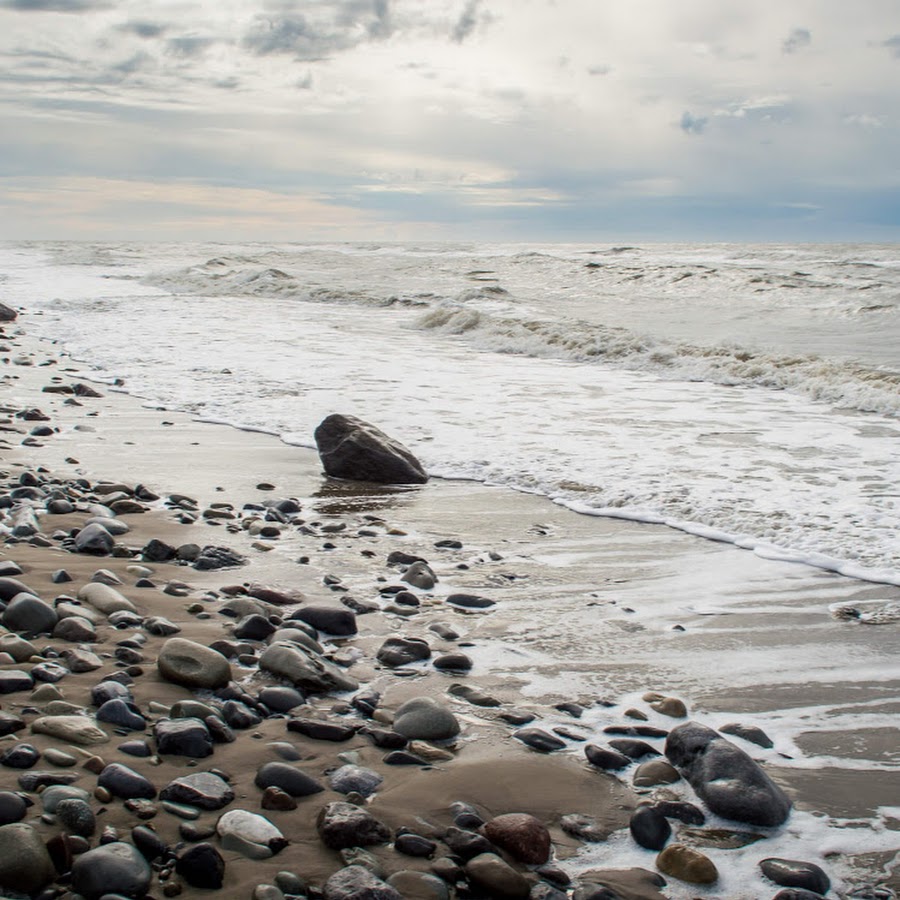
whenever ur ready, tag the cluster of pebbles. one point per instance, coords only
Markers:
(112, 719)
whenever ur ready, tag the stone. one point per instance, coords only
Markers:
(29, 615)
(113, 868)
(343, 825)
(687, 864)
(353, 449)
(521, 835)
(489, 872)
(25, 864)
(794, 873)
(304, 668)
(423, 718)
(338, 621)
(650, 828)
(122, 713)
(358, 883)
(76, 629)
(401, 651)
(109, 690)
(7, 313)
(79, 730)
(466, 844)
(202, 866)
(14, 680)
(539, 740)
(681, 810)
(653, 772)
(730, 783)
(453, 662)
(287, 778)
(254, 627)
(410, 844)
(95, 539)
(192, 665)
(276, 799)
(125, 783)
(470, 601)
(76, 816)
(151, 845)
(203, 790)
(22, 756)
(16, 646)
(52, 796)
(105, 598)
(355, 779)
(419, 885)
(320, 730)
(10, 723)
(280, 698)
(13, 808)
(749, 733)
(670, 706)
(606, 758)
(249, 834)
(633, 748)
(585, 828)
(420, 575)
(183, 737)
(160, 626)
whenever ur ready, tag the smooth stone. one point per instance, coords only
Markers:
(687, 864)
(125, 783)
(491, 873)
(94, 538)
(191, 709)
(49, 672)
(343, 825)
(281, 698)
(22, 756)
(730, 783)
(419, 885)
(14, 680)
(52, 796)
(159, 626)
(521, 835)
(17, 647)
(29, 616)
(151, 845)
(75, 629)
(681, 810)
(633, 748)
(650, 828)
(25, 864)
(453, 662)
(35, 780)
(192, 665)
(339, 621)
(276, 799)
(749, 733)
(400, 651)
(113, 868)
(109, 690)
(73, 729)
(606, 758)
(466, 844)
(653, 772)
(358, 883)
(670, 706)
(304, 668)
(539, 740)
(140, 749)
(76, 816)
(183, 737)
(422, 718)
(470, 601)
(202, 866)
(321, 731)
(202, 789)
(289, 779)
(420, 575)
(355, 779)
(105, 598)
(13, 808)
(122, 713)
(253, 628)
(794, 873)
(410, 844)
(249, 834)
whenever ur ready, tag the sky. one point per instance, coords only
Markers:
(508, 120)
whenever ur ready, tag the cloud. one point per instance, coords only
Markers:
(691, 124)
(599, 70)
(54, 5)
(893, 44)
(144, 29)
(796, 40)
(188, 46)
(466, 23)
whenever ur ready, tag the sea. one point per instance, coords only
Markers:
(743, 393)
(745, 398)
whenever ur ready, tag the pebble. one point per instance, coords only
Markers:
(796, 874)
(423, 718)
(521, 835)
(687, 864)
(287, 778)
(539, 740)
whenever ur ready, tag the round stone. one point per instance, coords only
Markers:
(249, 834)
(289, 779)
(425, 719)
(687, 864)
(25, 864)
(114, 868)
(521, 835)
(192, 665)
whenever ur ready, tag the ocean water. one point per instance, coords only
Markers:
(743, 393)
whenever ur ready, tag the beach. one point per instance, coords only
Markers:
(580, 629)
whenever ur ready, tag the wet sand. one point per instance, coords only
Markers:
(593, 611)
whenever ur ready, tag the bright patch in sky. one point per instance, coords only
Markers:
(399, 119)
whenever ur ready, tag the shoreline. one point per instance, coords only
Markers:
(538, 547)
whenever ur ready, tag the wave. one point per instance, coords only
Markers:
(840, 383)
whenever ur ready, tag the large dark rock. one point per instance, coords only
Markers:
(794, 873)
(25, 864)
(730, 783)
(115, 868)
(343, 825)
(353, 449)
(7, 313)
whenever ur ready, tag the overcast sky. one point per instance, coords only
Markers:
(450, 119)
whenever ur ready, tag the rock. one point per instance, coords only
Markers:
(355, 779)
(730, 783)
(281, 699)
(160, 626)
(22, 756)
(276, 799)
(419, 885)
(10, 723)
(681, 810)
(17, 647)
(521, 835)
(211, 558)
(410, 844)
(76, 629)
(14, 680)
(632, 748)
(466, 844)
(748, 733)
(13, 808)
(202, 866)
(287, 778)
(249, 834)
(649, 828)
(453, 662)
(109, 690)
(473, 695)
(353, 449)
(420, 575)
(793, 873)
(585, 828)
(401, 651)
(52, 796)
(183, 737)
(619, 884)
(670, 706)
(157, 551)
(203, 790)
(125, 783)
(95, 539)
(343, 825)
(151, 845)
(25, 864)
(254, 627)
(358, 883)
(73, 729)
(656, 771)
(122, 713)
(192, 665)
(338, 621)
(113, 868)
(425, 719)
(7, 313)
(105, 598)
(489, 872)
(29, 615)
(76, 816)
(687, 864)
(605, 758)
(539, 740)
(470, 601)
(304, 668)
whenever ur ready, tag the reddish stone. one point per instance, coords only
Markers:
(522, 836)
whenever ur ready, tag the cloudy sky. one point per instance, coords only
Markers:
(450, 119)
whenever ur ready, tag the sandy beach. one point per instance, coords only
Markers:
(587, 616)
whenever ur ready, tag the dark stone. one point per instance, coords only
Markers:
(466, 844)
(136, 748)
(112, 868)
(338, 621)
(539, 740)
(681, 810)
(281, 698)
(604, 758)
(794, 873)
(730, 783)
(632, 748)
(254, 627)
(109, 690)
(749, 733)
(650, 731)
(183, 737)
(423, 718)
(10, 723)
(322, 731)
(342, 825)
(410, 844)
(123, 713)
(586, 828)
(202, 866)
(239, 715)
(470, 601)
(404, 758)
(387, 740)
(76, 816)
(29, 615)
(157, 551)
(521, 835)
(95, 539)
(151, 845)
(366, 702)
(400, 651)
(353, 449)
(13, 808)
(22, 756)
(218, 558)
(289, 779)
(125, 783)
(649, 828)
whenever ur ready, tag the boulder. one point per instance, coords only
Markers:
(115, 868)
(342, 825)
(730, 783)
(29, 615)
(521, 835)
(353, 449)
(105, 598)
(192, 665)
(94, 538)
(183, 737)
(304, 668)
(422, 718)
(25, 864)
